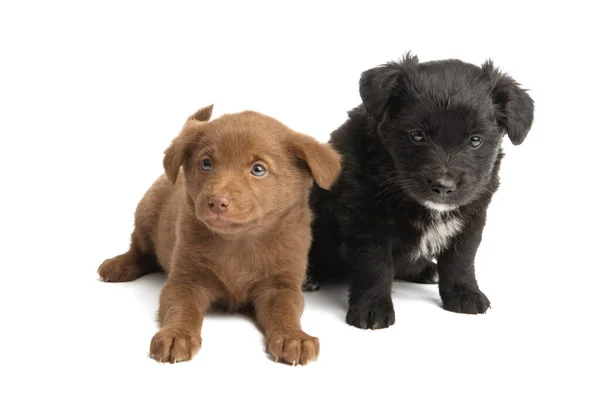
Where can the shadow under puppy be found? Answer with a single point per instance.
(421, 157)
(230, 224)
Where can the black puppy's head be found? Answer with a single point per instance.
(442, 123)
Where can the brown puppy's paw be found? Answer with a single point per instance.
(122, 268)
(297, 348)
(171, 345)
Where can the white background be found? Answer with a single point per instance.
(91, 93)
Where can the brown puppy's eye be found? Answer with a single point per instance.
(207, 165)
(417, 136)
(258, 170)
(475, 141)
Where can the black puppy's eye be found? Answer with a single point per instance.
(417, 136)
(475, 141)
(207, 165)
(258, 170)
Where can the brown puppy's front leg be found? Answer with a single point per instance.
(278, 310)
(182, 307)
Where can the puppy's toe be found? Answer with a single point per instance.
(429, 276)
(310, 284)
(122, 268)
(295, 349)
(371, 315)
(309, 350)
(171, 345)
(466, 301)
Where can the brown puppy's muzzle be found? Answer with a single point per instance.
(227, 212)
(218, 203)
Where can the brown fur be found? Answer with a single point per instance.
(254, 254)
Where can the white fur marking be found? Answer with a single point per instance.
(439, 207)
(436, 237)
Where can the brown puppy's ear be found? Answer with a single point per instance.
(514, 108)
(180, 146)
(174, 156)
(323, 161)
(203, 114)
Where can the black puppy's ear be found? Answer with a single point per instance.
(513, 106)
(378, 84)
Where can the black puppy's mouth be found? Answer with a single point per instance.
(432, 202)
(418, 193)
(439, 206)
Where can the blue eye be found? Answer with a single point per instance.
(258, 170)
(417, 136)
(475, 141)
(207, 165)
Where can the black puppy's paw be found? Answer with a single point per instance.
(466, 301)
(427, 275)
(310, 284)
(374, 315)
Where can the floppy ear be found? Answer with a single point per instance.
(514, 108)
(322, 160)
(203, 114)
(378, 84)
(180, 146)
(174, 155)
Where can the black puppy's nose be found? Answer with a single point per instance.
(218, 204)
(443, 187)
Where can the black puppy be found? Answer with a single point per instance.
(420, 165)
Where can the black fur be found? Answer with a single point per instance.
(371, 224)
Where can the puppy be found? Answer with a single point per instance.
(230, 224)
(420, 165)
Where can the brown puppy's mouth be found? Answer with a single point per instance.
(226, 225)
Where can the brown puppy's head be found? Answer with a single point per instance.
(243, 170)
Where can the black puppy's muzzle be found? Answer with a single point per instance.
(442, 187)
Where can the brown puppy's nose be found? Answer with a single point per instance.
(218, 204)
(443, 187)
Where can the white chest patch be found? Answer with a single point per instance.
(436, 237)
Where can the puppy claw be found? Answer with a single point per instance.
(174, 345)
(372, 315)
(293, 349)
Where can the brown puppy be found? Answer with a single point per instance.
(231, 226)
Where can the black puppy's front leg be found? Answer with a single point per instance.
(372, 274)
(458, 286)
